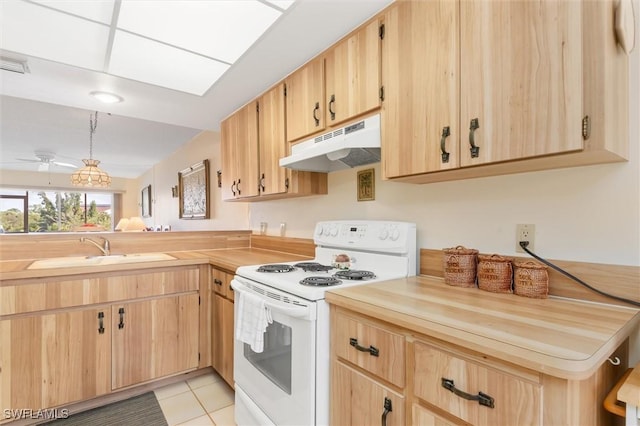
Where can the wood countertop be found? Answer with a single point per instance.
(629, 392)
(228, 259)
(561, 337)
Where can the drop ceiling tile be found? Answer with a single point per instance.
(97, 10)
(151, 62)
(219, 29)
(37, 31)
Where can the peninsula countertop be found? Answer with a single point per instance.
(561, 337)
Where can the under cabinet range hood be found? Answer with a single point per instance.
(351, 146)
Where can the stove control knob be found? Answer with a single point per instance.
(325, 230)
(334, 231)
(384, 233)
(395, 234)
(319, 230)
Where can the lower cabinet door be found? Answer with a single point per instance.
(423, 417)
(54, 359)
(223, 337)
(359, 400)
(154, 338)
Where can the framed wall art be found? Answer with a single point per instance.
(366, 185)
(145, 204)
(193, 191)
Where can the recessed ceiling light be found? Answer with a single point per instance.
(106, 97)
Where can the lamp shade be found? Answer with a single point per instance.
(90, 175)
(135, 224)
(122, 224)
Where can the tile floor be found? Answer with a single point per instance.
(202, 401)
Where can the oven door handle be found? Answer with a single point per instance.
(293, 311)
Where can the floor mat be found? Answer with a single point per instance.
(142, 410)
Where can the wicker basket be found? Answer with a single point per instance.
(459, 264)
(495, 273)
(530, 279)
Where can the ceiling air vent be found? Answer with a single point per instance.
(14, 65)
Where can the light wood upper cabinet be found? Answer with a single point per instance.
(420, 71)
(352, 72)
(273, 143)
(239, 148)
(521, 77)
(48, 360)
(463, 79)
(154, 338)
(305, 100)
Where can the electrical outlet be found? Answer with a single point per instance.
(527, 233)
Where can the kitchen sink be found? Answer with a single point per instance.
(114, 259)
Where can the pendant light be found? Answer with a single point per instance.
(90, 175)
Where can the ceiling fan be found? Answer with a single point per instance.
(45, 159)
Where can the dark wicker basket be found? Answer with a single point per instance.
(495, 273)
(459, 265)
(530, 279)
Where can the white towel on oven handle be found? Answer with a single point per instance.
(253, 319)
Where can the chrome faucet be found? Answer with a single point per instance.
(105, 248)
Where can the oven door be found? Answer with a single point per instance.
(280, 381)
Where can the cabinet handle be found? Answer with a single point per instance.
(100, 322)
(373, 351)
(233, 186)
(387, 410)
(261, 184)
(473, 126)
(317, 120)
(331, 103)
(483, 399)
(445, 133)
(238, 187)
(217, 281)
(121, 323)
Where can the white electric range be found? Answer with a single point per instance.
(288, 382)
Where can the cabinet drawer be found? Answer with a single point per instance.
(222, 284)
(515, 401)
(375, 349)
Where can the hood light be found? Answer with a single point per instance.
(107, 98)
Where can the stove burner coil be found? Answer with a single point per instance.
(354, 275)
(276, 268)
(313, 267)
(320, 281)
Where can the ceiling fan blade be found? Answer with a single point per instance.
(72, 166)
(28, 160)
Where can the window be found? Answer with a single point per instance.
(54, 211)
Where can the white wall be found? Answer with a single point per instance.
(164, 175)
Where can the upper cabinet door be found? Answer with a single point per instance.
(228, 136)
(353, 75)
(273, 143)
(521, 78)
(305, 100)
(239, 151)
(246, 151)
(420, 73)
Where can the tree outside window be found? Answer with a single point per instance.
(55, 211)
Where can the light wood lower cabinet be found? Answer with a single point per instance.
(51, 359)
(70, 347)
(432, 382)
(154, 338)
(222, 325)
(360, 400)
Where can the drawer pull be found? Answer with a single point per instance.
(372, 350)
(387, 410)
(483, 399)
(217, 281)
